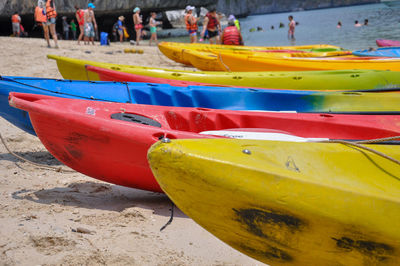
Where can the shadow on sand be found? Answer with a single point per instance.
(102, 196)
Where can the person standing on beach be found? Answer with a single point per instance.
(120, 28)
(51, 15)
(65, 28)
(212, 24)
(73, 29)
(41, 19)
(90, 24)
(16, 21)
(191, 24)
(79, 18)
(137, 20)
(153, 28)
(292, 26)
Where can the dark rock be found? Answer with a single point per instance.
(252, 7)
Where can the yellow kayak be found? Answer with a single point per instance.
(211, 60)
(288, 202)
(237, 62)
(71, 68)
(174, 50)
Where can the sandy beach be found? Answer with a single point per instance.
(53, 218)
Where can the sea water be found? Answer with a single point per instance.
(319, 27)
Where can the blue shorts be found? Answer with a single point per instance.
(89, 30)
(51, 21)
(192, 32)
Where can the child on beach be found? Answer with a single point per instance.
(153, 27)
(73, 29)
(16, 20)
(137, 20)
(120, 28)
(292, 26)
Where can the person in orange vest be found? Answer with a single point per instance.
(79, 14)
(231, 35)
(41, 20)
(51, 15)
(16, 20)
(212, 24)
(191, 24)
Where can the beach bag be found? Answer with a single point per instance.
(104, 38)
(115, 27)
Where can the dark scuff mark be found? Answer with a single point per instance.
(58, 152)
(254, 218)
(77, 138)
(75, 153)
(270, 252)
(379, 251)
(291, 165)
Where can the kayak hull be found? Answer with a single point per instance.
(383, 52)
(174, 51)
(235, 62)
(196, 96)
(71, 68)
(386, 43)
(284, 203)
(106, 74)
(109, 141)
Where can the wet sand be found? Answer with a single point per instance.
(52, 218)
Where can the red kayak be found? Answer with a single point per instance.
(109, 141)
(387, 43)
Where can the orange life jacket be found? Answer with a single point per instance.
(39, 16)
(190, 25)
(231, 36)
(50, 11)
(15, 19)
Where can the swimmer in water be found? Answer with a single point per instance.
(292, 26)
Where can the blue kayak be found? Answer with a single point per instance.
(382, 52)
(196, 96)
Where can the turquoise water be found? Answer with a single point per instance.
(319, 26)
